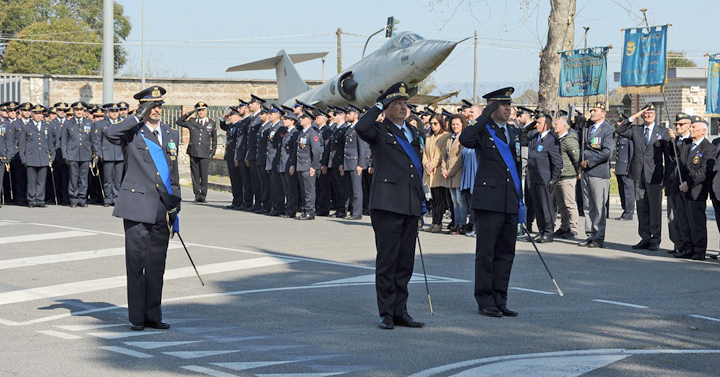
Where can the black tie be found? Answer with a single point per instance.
(647, 136)
(501, 133)
(156, 134)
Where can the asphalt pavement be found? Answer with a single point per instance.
(285, 297)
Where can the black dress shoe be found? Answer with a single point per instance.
(137, 327)
(274, 214)
(641, 245)
(262, 211)
(73, 205)
(623, 218)
(543, 239)
(82, 205)
(356, 217)
(106, 204)
(714, 256)
(507, 312)
(560, 232)
(568, 235)
(698, 256)
(596, 244)
(654, 247)
(31, 205)
(306, 217)
(407, 321)
(386, 322)
(491, 312)
(340, 215)
(684, 253)
(160, 325)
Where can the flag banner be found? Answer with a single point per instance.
(583, 72)
(644, 57)
(712, 101)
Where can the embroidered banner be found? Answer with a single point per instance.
(583, 72)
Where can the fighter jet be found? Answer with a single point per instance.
(405, 57)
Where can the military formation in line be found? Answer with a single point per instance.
(59, 154)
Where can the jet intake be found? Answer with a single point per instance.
(347, 86)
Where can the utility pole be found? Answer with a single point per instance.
(585, 99)
(339, 50)
(142, 59)
(108, 51)
(475, 75)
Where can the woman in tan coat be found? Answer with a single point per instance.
(451, 170)
(432, 176)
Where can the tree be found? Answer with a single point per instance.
(17, 15)
(676, 59)
(561, 36)
(527, 97)
(55, 58)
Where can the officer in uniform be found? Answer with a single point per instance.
(241, 147)
(595, 174)
(17, 170)
(544, 169)
(229, 124)
(309, 152)
(3, 153)
(697, 161)
(355, 160)
(261, 160)
(323, 180)
(61, 170)
(524, 117)
(648, 171)
(624, 150)
(77, 151)
(275, 136)
(287, 161)
(398, 163)
(201, 148)
(110, 155)
(672, 181)
(336, 158)
(255, 106)
(124, 108)
(36, 152)
(496, 201)
(148, 202)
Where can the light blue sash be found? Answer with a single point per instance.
(507, 156)
(158, 157)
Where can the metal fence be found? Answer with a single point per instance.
(10, 88)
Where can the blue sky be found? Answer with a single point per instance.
(203, 39)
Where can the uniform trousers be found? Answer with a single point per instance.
(340, 186)
(596, 192)
(673, 206)
(235, 183)
(357, 192)
(626, 188)
(36, 179)
(649, 211)
(693, 223)
(19, 181)
(566, 205)
(323, 193)
(2, 182)
(494, 255)
(529, 205)
(254, 185)
(716, 208)
(277, 192)
(62, 180)
(264, 179)
(292, 192)
(395, 236)
(112, 179)
(199, 173)
(247, 193)
(544, 208)
(145, 253)
(307, 190)
(366, 183)
(78, 181)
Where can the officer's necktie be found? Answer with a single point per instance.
(647, 135)
(502, 135)
(157, 134)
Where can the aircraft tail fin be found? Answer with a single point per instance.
(289, 81)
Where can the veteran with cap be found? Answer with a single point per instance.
(496, 201)
(18, 172)
(309, 152)
(148, 204)
(201, 148)
(36, 152)
(396, 201)
(672, 180)
(647, 169)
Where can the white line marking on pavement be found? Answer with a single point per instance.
(121, 335)
(128, 352)
(370, 279)
(59, 334)
(66, 257)
(298, 374)
(208, 371)
(704, 317)
(44, 236)
(199, 354)
(250, 365)
(621, 304)
(533, 291)
(69, 289)
(154, 345)
(88, 327)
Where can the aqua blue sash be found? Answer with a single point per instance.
(507, 156)
(158, 157)
(410, 151)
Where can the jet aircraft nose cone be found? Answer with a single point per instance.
(431, 53)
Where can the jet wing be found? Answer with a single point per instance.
(427, 99)
(270, 63)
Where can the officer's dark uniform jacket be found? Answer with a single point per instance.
(696, 167)
(396, 186)
(36, 147)
(309, 150)
(624, 149)
(139, 197)
(599, 146)
(275, 138)
(326, 133)
(288, 150)
(12, 137)
(647, 162)
(203, 138)
(337, 146)
(671, 181)
(252, 137)
(544, 160)
(241, 134)
(76, 141)
(103, 148)
(57, 128)
(230, 139)
(494, 188)
(262, 144)
(357, 151)
(4, 140)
